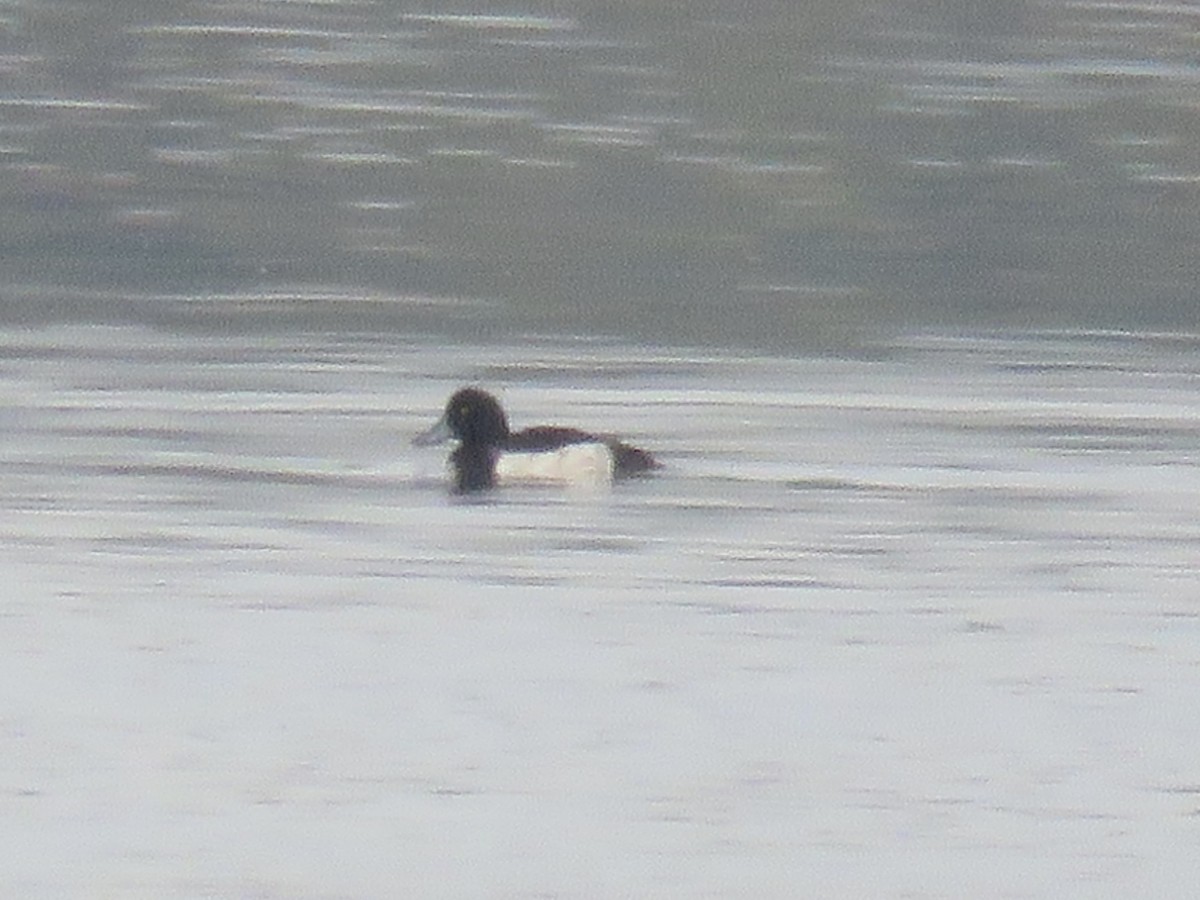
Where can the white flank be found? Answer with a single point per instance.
(575, 464)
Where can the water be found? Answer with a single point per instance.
(772, 174)
(918, 622)
(909, 613)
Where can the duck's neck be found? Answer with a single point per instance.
(474, 468)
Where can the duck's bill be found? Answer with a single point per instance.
(438, 434)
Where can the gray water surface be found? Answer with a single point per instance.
(912, 616)
(777, 175)
(918, 623)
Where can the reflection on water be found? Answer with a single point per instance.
(776, 174)
(911, 604)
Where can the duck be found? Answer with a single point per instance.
(490, 455)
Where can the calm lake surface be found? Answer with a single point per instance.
(903, 294)
(771, 174)
(916, 622)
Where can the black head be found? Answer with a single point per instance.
(475, 417)
(472, 416)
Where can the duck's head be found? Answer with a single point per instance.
(472, 416)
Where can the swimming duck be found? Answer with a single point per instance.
(489, 454)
